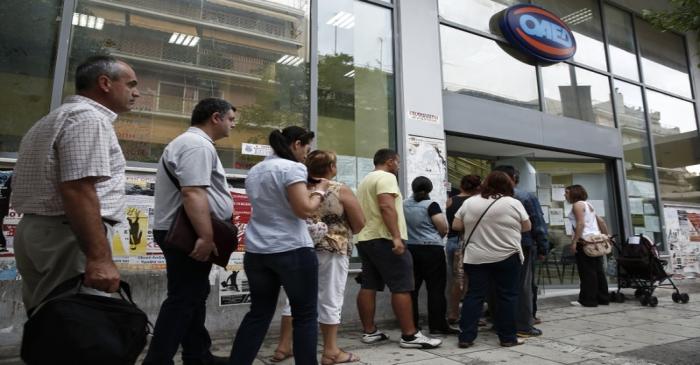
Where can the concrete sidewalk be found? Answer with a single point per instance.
(621, 333)
(626, 333)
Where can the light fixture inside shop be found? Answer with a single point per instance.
(183, 39)
(350, 74)
(88, 21)
(290, 60)
(342, 20)
(578, 17)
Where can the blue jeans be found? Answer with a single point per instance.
(297, 272)
(182, 314)
(452, 246)
(505, 276)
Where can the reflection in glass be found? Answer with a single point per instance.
(664, 62)
(623, 52)
(583, 17)
(477, 66)
(573, 92)
(473, 13)
(28, 35)
(253, 55)
(356, 102)
(676, 141)
(637, 156)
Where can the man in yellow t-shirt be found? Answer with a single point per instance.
(383, 253)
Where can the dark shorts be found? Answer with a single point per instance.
(381, 266)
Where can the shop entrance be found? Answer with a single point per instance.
(545, 173)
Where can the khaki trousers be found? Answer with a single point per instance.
(47, 253)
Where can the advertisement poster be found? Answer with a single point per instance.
(683, 237)
(232, 282)
(426, 157)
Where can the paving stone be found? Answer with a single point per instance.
(603, 343)
(559, 352)
(501, 356)
(647, 337)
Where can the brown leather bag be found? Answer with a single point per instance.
(182, 236)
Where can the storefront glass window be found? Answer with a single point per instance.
(583, 17)
(356, 103)
(637, 158)
(544, 174)
(253, 55)
(676, 141)
(473, 13)
(28, 35)
(477, 66)
(664, 62)
(623, 52)
(573, 92)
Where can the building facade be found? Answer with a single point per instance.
(432, 78)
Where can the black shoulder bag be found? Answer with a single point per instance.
(182, 236)
(459, 255)
(70, 327)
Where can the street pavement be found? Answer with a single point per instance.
(621, 333)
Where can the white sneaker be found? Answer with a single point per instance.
(575, 303)
(374, 337)
(420, 342)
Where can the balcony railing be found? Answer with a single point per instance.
(200, 11)
(206, 58)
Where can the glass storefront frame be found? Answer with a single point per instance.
(636, 18)
(61, 72)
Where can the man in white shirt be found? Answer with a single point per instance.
(69, 184)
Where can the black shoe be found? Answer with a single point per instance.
(533, 332)
(445, 331)
(213, 360)
(464, 345)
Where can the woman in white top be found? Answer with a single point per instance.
(279, 249)
(493, 253)
(594, 283)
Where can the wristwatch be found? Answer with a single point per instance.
(321, 193)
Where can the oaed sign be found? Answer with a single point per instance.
(536, 33)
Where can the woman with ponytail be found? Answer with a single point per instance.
(426, 228)
(279, 249)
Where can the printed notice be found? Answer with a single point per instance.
(364, 167)
(558, 192)
(545, 196)
(347, 171)
(556, 216)
(636, 206)
(545, 213)
(233, 285)
(256, 149)
(651, 222)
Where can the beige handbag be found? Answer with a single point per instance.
(596, 245)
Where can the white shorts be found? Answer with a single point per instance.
(332, 276)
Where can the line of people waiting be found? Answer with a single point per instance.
(70, 186)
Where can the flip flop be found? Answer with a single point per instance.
(335, 359)
(280, 356)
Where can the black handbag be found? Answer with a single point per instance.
(69, 327)
(182, 236)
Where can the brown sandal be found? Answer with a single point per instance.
(280, 356)
(330, 360)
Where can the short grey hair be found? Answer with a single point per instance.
(91, 69)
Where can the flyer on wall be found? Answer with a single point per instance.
(232, 282)
(682, 230)
(426, 157)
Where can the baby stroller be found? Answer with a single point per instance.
(639, 268)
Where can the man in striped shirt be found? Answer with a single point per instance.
(69, 184)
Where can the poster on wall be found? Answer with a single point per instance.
(233, 282)
(364, 167)
(544, 195)
(426, 157)
(558, 192)
(683, 237)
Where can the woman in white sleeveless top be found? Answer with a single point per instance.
(594, 283)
